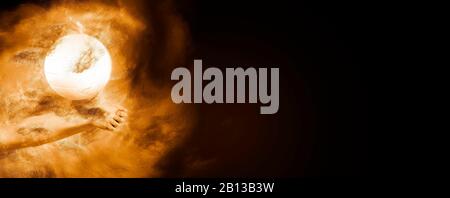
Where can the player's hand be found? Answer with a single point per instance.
(112, 122)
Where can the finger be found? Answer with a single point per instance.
(114, 123)
(122, 110)
(122, 114)
(119, 119)
(117, 122)
(110, 127)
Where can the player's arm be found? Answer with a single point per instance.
(49, 128)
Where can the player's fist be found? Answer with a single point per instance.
(114, 121)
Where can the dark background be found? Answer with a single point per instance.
(321, 128)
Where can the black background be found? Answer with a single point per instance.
(321, 128)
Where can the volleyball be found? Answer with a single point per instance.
(78, 67)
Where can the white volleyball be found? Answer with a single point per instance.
(78, 67)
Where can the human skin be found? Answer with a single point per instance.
(46, 128)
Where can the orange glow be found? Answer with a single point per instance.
(27, 36)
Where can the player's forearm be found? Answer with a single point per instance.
(62, 133)
(44, 137)
(54, 128)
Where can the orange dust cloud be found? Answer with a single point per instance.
(155, 124)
